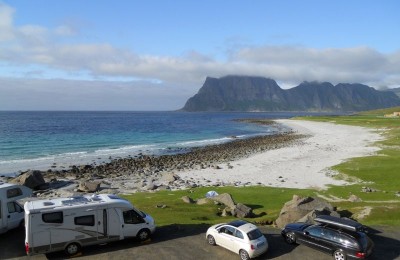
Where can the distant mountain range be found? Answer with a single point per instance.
(247, 93)
(394, 90)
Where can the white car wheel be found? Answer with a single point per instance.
(211, 240)
(244, 255)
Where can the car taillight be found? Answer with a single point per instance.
(252, 247)
(360, 255)
(27, 248)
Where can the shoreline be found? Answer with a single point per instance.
(296, 159)
(303, 165)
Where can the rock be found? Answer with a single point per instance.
(299, 207)
(169, 178)
(354, 198)
(226, 212)
(309, 218)
(163, 187)
(202, 201)
(225, 199)
(89, 186)
(367, 189)
(150, 186)
(187, 199)
(242, 211)
(31, 179)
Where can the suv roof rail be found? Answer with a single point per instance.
(344, 223)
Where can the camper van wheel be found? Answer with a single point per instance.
(72, 249)
(143, 234)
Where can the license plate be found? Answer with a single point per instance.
(260, 244)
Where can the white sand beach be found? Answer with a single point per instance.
(303, 165)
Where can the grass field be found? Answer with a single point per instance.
(381, 172)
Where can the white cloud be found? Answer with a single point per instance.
(39, 47)
(64, 30)
(6, 19)
(56, 94)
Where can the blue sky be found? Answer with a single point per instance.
(154, 55)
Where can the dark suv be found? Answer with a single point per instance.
(342, 238)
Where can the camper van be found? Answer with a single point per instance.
(70, 223)
(11, 212)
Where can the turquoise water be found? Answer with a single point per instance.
(40, 140)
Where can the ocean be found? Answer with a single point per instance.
(44, 140)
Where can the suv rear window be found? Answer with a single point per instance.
(254, 234)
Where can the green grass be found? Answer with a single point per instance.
(266, 203)
(380, 172)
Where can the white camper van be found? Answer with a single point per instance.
(11, 212)
(70, 223)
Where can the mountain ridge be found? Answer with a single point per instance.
(252, 93)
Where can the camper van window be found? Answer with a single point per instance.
(54, 217)
(131, 217)
(14, 192)
(13, 207)
(84, 220)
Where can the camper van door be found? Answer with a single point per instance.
(10, 215)
(15, 214)
(102, 224)
(133, 222)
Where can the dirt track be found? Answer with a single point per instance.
(188, 242)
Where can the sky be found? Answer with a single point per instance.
(154, 55)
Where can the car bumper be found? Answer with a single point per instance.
(259, 251)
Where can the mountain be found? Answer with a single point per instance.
(394, 90)
(247, 93)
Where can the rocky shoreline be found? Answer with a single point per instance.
(148, 173)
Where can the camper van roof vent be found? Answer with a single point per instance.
(48, 203)
(95, 197)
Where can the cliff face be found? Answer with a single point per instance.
(245, 93)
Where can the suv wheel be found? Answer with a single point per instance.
(339, 255)
(290, 238)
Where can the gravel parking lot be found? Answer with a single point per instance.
(188, 242)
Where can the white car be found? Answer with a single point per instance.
(240, 237)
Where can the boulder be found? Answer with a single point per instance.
(150, 186)
(354, 198)
(226, 212)
(31, 179)
(299, 207)
(89, 186)
(225, 199)
(309, 218)
(242, 211)
(169, 178)
(202, 201)
(187, 199)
